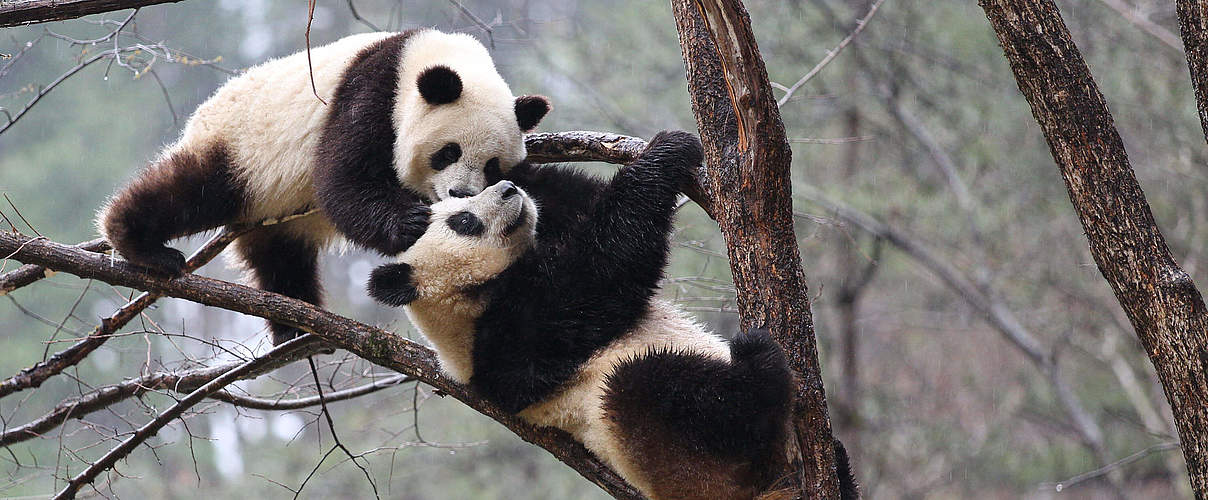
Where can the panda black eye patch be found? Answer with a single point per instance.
(446, 156)
(466, 224)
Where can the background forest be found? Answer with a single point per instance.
(970, 347)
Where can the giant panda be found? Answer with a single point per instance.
(556, 320)
(405, 119)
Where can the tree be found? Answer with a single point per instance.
(1161, 300)
(772, 288)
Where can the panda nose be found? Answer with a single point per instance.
(508, 190)
(460, 193)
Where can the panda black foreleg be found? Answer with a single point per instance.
(623, 246)
(373, 211)
(183, 193)
(694, 423)
(284, 263)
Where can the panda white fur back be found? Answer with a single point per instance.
(406, 119)
(267, 118)
(552, 317)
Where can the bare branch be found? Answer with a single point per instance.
(830, 54)
(185, 381)
(373, 344)
(275, 404)
(597, 146)
(145, 432)
(34, 376)
(29, 274)
(1151, 28)
(477, 22)
(40, 11)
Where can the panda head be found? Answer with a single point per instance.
(468, 241)
(459, 131)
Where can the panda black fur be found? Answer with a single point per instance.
(554, 318)
(410, 118)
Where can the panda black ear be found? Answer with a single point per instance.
(530, 109)
(439, 85)
(391, 284)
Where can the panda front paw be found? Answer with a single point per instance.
(408, 229)
(678, 153)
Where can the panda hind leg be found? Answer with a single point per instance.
(698, 427)
(282, 259)
(184, 192)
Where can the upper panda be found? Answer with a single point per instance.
(555, 320)
(405, 119)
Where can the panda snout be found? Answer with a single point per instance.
(507, 190)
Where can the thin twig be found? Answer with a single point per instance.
(1091, 474)
(310, 17)
(356, 15)
(151, 428)
(1151, 28)
(474, 19)
(339, 445)
(831, 54)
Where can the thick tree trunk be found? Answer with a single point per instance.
(748, 188)
(1193, 23)
(1160, 299)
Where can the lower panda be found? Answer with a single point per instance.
(552, 316)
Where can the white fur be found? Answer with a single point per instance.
(445, 265)
(482, 120)
(270, 121)
(577, 408)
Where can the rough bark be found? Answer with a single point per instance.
(28, 274)
(748, 187)
(1193, 25)
(1163, 304)
(373, 344)
(40, 11)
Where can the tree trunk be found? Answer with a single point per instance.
(748, 188)
(1159, 298)
(1193, 23)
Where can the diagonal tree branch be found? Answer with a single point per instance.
(373, 344)
(103, 397)
(34, 376)
(243, 370)
(40, 11)
(30, 274)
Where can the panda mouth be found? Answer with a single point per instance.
(518, 222)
